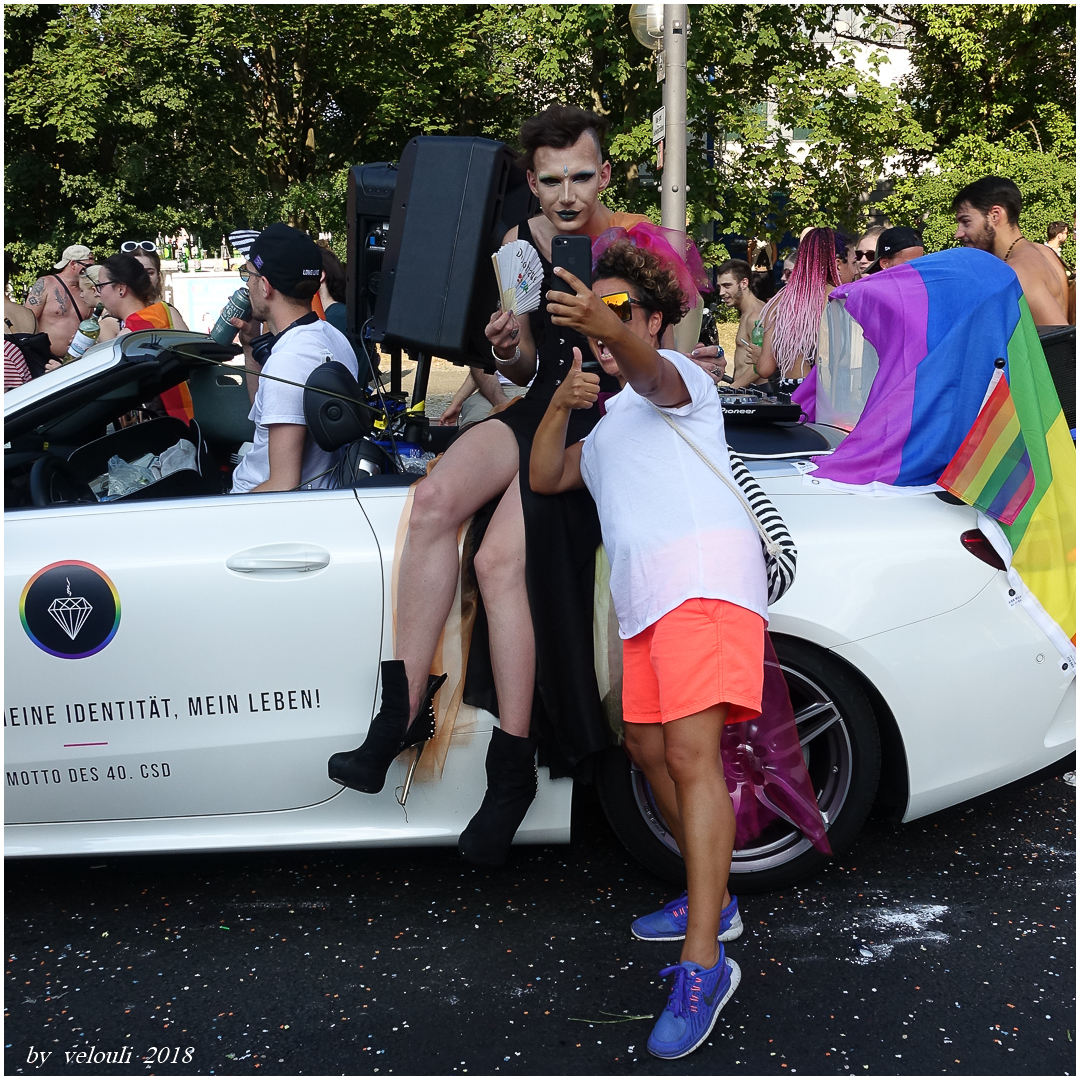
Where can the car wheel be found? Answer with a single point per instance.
(842, 749)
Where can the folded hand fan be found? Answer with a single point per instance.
(520, 275)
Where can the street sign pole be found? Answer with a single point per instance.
(673, 194)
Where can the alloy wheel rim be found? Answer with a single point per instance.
(829, 756)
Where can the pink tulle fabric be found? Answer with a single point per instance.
(665, 245)
(764, 766)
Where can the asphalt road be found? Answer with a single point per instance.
(941, 946)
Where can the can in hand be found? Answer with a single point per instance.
(238, 306)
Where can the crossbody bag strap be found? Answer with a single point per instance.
(74, 302)
(771, 545)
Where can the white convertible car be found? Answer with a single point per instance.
(180, 663)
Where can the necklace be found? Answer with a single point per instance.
(1011, 246)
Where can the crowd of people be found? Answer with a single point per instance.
(552, 460)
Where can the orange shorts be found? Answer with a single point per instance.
(704, 653)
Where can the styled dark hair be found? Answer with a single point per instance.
(127, 270)
(992, 191)
(658, 286)
(738, 268)
(1056, 227)
(155, 258)
(844, 244)
(560, 126)
(335, 275)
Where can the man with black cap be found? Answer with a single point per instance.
(282, 272)
(896, 246)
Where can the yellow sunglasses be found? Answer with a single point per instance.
(622, 304)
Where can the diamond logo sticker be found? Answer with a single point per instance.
(70, 610)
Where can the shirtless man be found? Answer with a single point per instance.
(733, 285)
(54, 299)
(987, 217)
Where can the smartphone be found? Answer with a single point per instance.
(573, 253)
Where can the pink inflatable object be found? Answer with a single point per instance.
(764, 766)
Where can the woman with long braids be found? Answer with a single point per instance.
(792, 319)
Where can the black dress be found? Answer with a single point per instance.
(562, 533)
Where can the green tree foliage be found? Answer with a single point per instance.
(1046, 178)
(123, 120)
(986, 69)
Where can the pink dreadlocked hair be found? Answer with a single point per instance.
(795, 311)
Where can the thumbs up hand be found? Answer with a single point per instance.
(579, 389)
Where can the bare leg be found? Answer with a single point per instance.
(692, 750)
(645, 744)
(478, 467)
(500, 572)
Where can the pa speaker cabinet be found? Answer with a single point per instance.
(454, 201)
(370, 200)
(1059, 345)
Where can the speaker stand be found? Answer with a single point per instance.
(395, 370)
(420, 379)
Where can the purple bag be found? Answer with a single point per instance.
(764, 766)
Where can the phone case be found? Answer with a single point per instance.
(573, 253)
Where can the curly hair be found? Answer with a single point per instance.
(658, 286)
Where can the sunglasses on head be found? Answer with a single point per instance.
(128, 246)
(622, 304)
(865, 256)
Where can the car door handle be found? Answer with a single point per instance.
(299, 558)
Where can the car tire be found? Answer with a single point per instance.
(843, 752)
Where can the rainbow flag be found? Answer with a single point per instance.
(992, 469)
(943, 410)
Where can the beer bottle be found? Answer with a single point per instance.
(85, 336)
(185, 265)
(757, 335)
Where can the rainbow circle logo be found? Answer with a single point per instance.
(70, 609)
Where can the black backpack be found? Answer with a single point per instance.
(36, 349)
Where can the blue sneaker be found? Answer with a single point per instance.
(669, 923)
(694, 1006)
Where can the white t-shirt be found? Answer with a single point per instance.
(672, 529)
(294, 356)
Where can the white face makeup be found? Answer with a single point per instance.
(568, 182)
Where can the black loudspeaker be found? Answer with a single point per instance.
(1059, 345)
(455, 200)
(370, 199)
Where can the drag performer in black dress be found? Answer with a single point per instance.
(534, 554)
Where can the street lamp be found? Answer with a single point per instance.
(647, 24)
(664, 26)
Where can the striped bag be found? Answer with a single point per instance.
(776, 543)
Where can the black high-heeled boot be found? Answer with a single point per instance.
(364, 769)
(511, 788)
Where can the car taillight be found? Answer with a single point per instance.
(981, 548)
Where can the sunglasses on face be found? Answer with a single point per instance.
(622, 304)
(865, 256)
(128, 246)
(245, 273)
